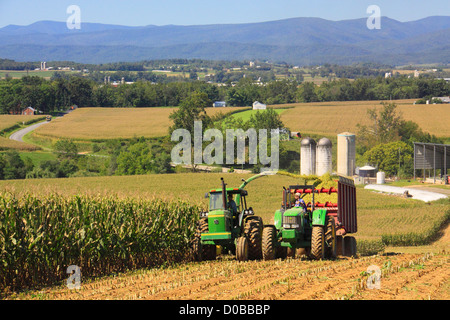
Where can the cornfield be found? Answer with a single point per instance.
(41, 236)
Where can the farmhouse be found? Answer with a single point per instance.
(28, 111)
(259, 106)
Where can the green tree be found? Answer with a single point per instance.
(384, 128)
(391, 157)
(80, 91)
(14, 166)
(66, 149)
(191, 109)
(265, 119)
(307, 92)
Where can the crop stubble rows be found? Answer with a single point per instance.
(404, 276)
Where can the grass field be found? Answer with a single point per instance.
(245, 115)
(38, 157)
(110, 123)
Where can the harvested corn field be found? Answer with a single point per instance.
(402, 276)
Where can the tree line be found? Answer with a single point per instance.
(58, 94)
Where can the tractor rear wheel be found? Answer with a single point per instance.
(330, 239)
(269, 243)
(253, 232)
(317, 243)
(242, 249)
(202, 251)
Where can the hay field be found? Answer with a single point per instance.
(6, 144)
(111, 123)
(7, 120)
(330, 118)
(327, 118)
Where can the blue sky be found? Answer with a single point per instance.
(190, 12)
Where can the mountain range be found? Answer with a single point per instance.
(302, 41)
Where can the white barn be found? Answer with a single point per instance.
(259, 106)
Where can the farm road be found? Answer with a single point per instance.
(414, 192)
(18, 135)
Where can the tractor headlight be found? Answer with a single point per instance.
(295, 226)
(203, 214)
(286, 226)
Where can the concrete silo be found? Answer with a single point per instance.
(324, 156)
(346, 154)
(308, 156)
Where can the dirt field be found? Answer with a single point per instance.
(422, 274)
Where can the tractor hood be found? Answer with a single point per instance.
(293, 212)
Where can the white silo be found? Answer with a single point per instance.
(308, 156)
(346, 158)
(324, 156)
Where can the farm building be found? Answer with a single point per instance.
(218, 104)
(259, 106)
(433, 159)
(28, 111)
(366, 171)
(443, 99)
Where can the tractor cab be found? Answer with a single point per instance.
(219, 206)
(230, 224)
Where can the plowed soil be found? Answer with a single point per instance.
(403, 276)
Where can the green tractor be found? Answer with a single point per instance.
(233, 228)
(320, 230)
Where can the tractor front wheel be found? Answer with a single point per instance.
(242, 249)
(202, 251)
(318, 243)
(269, 243)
